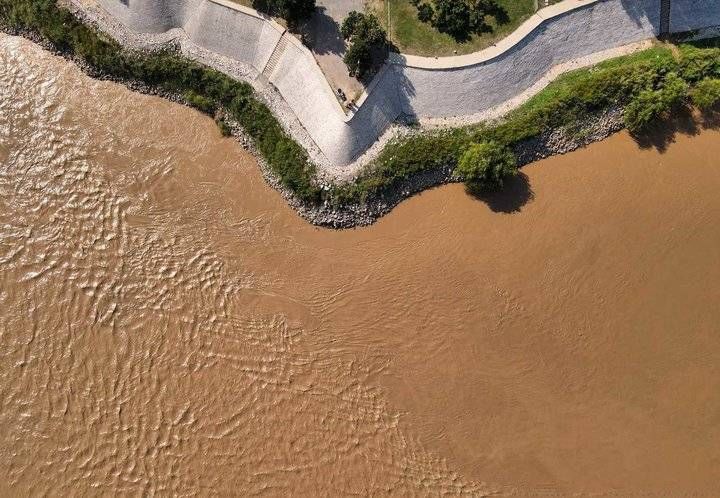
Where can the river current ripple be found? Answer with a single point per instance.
(168, 326)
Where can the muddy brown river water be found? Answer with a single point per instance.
(169, 326)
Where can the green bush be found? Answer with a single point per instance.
(224, 127)
(199, 102)
(649, 105)
(699, 63)
(484, 166)
(425, 12)
(706, 93)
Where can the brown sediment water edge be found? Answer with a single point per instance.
(168, 325)
(551, 142)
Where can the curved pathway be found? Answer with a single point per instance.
(434, 91)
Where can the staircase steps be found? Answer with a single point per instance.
(664, 18)
(276, 55)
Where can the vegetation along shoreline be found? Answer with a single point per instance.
(634, 91)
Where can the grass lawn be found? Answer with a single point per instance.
(413, 37)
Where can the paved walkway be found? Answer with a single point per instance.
(322, 33)
(435, 92)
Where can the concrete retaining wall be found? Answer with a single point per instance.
(149, 16)
(689, 15)
(215, 25)
(414, 87)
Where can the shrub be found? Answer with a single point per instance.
(650, 105)
(225, 130)
(293, 11)
(698, 63)
(425, 12)
(642, 110)
(484, 166)
(706, 93)
(368, 43)
(199, 102)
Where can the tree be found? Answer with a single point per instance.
(461, 18)
(367, 42)
(293, 11)
(484, 166)
(453, 17)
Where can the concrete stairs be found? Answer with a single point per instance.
(664, 18)
(276, 55)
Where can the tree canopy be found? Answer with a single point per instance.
(293, 11)
(367, 42)
(460, 18)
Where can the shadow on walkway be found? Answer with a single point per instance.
(321, 34)
(685, 121)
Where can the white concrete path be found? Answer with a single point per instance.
(450, 90)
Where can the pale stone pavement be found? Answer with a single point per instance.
(322, 33)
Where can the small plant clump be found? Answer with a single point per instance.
(485, 166)
(706, 94)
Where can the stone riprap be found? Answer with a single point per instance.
(429, 90)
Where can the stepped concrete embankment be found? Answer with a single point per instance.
(449, 90)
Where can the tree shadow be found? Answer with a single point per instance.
(685, 121)
(499, 13)
(710, 119)
(514, 195)
(494, 10)
(321, 33)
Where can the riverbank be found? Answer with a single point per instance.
(448, 349)
(579, 108)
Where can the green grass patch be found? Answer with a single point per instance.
(411, 36)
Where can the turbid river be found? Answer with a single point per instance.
(169, 326)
